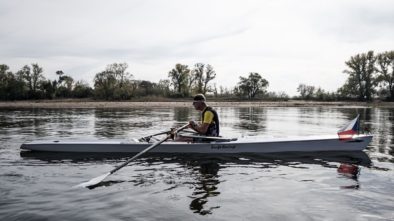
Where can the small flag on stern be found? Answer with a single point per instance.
(349, 130)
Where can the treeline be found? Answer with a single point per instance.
(370, 77)
(116, 83)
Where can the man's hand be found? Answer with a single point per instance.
(172, 134)
(192, 124)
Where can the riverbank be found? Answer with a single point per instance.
(74, 103)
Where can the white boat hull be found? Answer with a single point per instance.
(242, 145)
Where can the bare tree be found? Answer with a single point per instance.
(385, 63)
(204, 74)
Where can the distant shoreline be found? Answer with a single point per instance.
(74, 103)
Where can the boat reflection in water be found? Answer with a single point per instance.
(201, 172)
(350, 171)
(206, 186)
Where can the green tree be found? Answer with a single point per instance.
(385, 63)
(253, 85)
(320, 94)
(119, 72)
(104, 85)
(277, 96)
(179, 77)
(323, 95)
(82, 90)
(361, 81)
(199, 73)
(125, 89)
(347, 91)
(146, 88)
(306, 91)
(164, 87)
(36, 78)
(4, 69)
(64, 85)
(3, 81)
(21, 88)
(48, 89)
(33, 77)
(7, 82)
(114, 83)
(224, 92)
(25, 72)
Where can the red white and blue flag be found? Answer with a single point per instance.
(349, 130)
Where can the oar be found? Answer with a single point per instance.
(99, 179)
(160, 133)
(152, 135)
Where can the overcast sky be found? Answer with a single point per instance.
(287, 42)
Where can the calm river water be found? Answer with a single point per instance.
(37, 186)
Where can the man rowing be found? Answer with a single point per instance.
(209, 125)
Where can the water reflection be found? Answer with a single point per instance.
(195, 160)
(205, 187)
(42, 122)
(28, 120)
(311, 116)
(183, 114)
(201, 172)
(111, 123)
(390, 149)
(381, 125)
(251, 118)
(350, 171)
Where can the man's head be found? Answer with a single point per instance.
(199, 102)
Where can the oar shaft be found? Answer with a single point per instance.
(146, 150)
(164, 132)
(99, 179)
(160, 133)
(139, 154)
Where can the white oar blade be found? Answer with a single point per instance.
(93, 181)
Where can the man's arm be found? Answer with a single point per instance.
(201, 129)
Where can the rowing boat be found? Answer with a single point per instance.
(354, 142)
(241, 145)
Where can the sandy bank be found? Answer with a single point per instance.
(129, 104)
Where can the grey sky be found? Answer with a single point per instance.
(287, 42)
